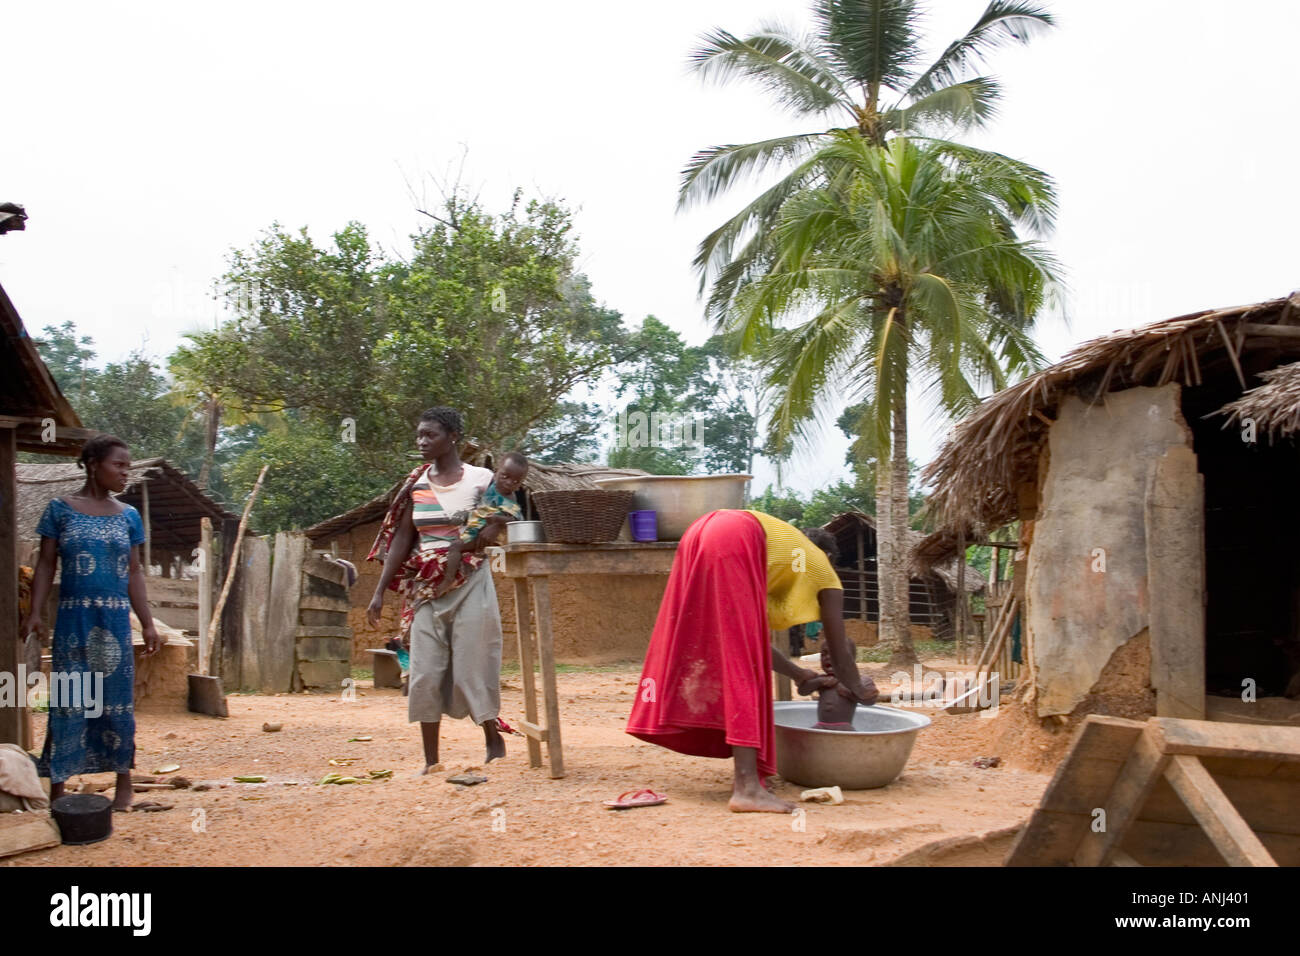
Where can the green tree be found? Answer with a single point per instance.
(825, 503)
(203, 401)
(314, 472)
(881, 252)
(131, 399)
(695, 393)
(855, 422)
(786, 505)
(491, 317)
(68, 357)
(485, 313)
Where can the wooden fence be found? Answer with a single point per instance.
(285, 626)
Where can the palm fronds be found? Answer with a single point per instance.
(797, 77)
(1002, 22)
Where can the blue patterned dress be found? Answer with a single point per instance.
(92, 731)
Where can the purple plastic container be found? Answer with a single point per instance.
(644, 526)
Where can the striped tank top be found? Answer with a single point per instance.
(439, 511)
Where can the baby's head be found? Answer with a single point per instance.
(510, 476)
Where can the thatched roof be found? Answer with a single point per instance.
(845, 528)
(175, 503)
(557, 477)
(28, 391)
(995, 449)
(1274, 407)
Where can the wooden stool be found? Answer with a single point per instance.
(1169, 792)
(388, 673)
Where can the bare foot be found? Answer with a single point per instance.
(430, 768)
(760, 802)
(496, 745)
(123, 792)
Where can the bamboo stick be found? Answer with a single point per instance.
(998, 639)
(230, 571)
(1232, 354)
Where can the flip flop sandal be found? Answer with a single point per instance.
(505, 728)
(150, 807)
(467, 779)
(637, 798)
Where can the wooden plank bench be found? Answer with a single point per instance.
(1169, 792)
(388, 672)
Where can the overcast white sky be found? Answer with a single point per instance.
(146, 140)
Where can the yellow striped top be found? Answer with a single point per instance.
(796, 571)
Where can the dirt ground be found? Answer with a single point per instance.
(521, 816)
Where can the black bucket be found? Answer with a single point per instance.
(83, 818)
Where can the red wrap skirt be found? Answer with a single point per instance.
(706, 685)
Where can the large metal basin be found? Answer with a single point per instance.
(678, 500)
(871, 755)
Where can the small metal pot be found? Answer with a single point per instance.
(518, 532)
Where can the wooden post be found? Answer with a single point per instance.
(205, 590)
(862, 578)
(523, 611)
(546, 653)
(148, 530)
(10, 717)
(961, 590)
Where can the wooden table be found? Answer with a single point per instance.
(530, 566)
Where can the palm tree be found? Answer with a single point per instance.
(205, 402)
(886, 249)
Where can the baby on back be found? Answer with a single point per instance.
(497, 505)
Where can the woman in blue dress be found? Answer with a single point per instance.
(96, 538)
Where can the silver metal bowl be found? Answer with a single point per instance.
(521, 531)
(678, 500)
(871, 755)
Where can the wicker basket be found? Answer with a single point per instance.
(583, 516)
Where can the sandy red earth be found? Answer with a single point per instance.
(520, 815)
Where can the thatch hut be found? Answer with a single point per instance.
(1158, 536)
(170, 505)
(933, 586)
(1273, 409)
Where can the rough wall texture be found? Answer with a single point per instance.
(163, 679)
(1124, 687)
(1091, 517)
(595, 619)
